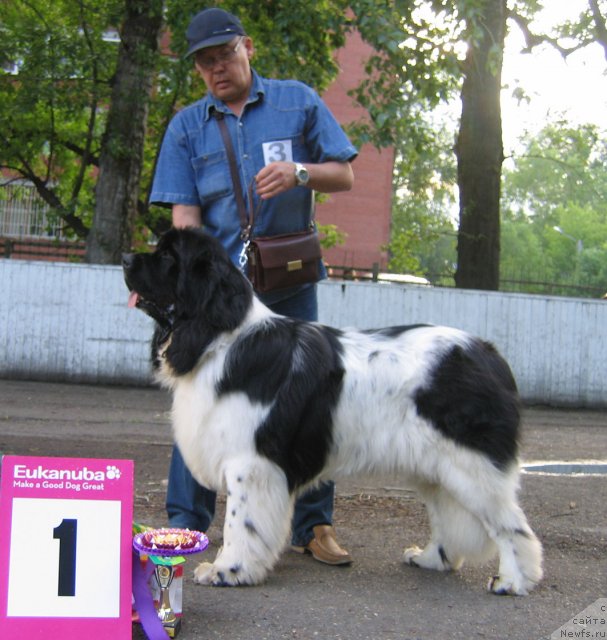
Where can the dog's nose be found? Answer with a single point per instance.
(127, 260)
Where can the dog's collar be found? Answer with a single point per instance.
(164, 316)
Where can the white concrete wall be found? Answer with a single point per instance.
(557, 347)
(61, 321)
(69, 322)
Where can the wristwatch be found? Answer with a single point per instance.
(301, 175)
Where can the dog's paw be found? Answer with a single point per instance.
(432, 557)
(411, 555)
(211, 574)
(501, 586)
(203, 574)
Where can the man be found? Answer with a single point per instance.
(287, 144)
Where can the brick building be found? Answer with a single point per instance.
(364, 213)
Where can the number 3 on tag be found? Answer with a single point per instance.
(277, 151)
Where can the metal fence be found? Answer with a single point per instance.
(23, 213)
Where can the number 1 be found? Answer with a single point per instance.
(66, 533)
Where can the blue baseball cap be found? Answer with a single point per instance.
(212, 27)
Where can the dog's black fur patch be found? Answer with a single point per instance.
(472, 399)
(296, 367)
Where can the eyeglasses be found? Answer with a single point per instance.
(223, 57)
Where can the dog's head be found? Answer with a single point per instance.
(190, 287)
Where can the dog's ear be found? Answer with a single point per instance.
(212, 297)
(229, 295)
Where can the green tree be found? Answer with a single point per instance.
(56, 124)
(479, 148)
(57, 72)
(121, 156)
(423, 235)
(554, 210)
(561, 163)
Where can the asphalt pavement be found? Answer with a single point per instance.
(377, 598)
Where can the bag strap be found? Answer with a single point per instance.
(245, 225)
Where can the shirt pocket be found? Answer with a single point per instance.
(213, 180)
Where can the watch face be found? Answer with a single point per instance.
(302, 175)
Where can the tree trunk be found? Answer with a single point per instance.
(480, 152)
(121, 155)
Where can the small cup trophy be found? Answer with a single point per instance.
(164, 577)
(165, 548)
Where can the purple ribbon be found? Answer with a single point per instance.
(143, 600)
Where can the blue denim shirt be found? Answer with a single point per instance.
(282, 120)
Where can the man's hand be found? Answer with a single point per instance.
(326, 177)
(275, 178)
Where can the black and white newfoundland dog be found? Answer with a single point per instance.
(266, 406)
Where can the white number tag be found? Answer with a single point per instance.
(277, 151)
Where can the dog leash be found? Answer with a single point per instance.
(245, 225)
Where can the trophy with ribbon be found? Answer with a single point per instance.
(165, 549)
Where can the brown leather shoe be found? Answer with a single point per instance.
(324, 547)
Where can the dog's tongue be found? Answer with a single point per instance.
(133, 299)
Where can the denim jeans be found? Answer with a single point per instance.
(190, 505)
